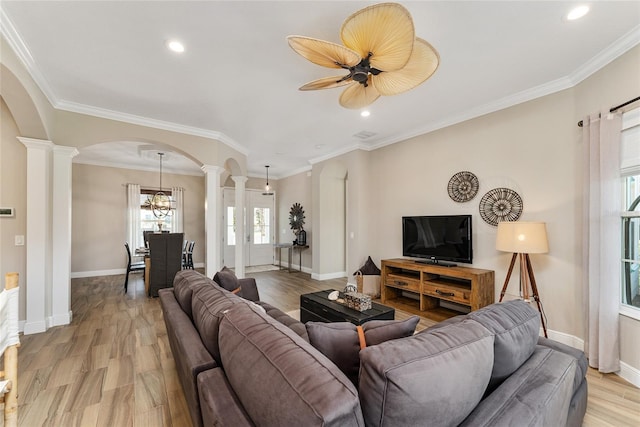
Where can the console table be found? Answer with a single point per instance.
(420, 288)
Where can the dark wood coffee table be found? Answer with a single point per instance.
(317, 307)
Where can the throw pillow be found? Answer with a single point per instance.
(227, 279)
(369, 268)
(341, 343)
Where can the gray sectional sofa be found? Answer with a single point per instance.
(242, 362)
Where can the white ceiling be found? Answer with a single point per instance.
(238, 78)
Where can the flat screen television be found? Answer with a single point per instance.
(438, 239)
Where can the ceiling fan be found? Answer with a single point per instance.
(381, 53)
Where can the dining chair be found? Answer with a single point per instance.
(190, 255)
(185, 246)
(131, 266)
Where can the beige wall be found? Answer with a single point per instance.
(295, 189)
(529, 148)
(13, 189)
(99, 215)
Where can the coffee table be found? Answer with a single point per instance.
(317, 307)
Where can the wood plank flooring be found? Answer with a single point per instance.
(113, 366)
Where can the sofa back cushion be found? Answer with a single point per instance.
(183, 285)
(516, 326)
(435, 378)
(208, 304)
(340, 341)
(279, 378)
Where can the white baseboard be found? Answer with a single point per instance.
(60, 319)
(34, 327)
(564, 338)
(630, 374)
(329, 276)
(81, 274)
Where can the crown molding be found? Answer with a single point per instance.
(607, 55)
(116, 165)
(10, 34)
(152, 123)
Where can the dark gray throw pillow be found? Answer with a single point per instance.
(340, 342)
(227, 279)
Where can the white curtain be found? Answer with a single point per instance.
(177, 216)
(601, 237)
(134, 232)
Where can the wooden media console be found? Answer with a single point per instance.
(419, 288)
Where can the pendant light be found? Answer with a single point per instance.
(267, 189)
(160, 203)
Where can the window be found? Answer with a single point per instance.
(261, 227)
(231, 225)
(630, 172)
(631, 242)
(148, 221)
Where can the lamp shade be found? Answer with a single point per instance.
(522, 237)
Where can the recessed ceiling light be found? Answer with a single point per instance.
(365, 113)
(577, 12)
(175, 46)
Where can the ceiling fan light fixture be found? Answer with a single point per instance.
(381, 55)
(365, 113)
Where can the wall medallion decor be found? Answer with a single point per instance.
(463, 186)
(296, 218)
(500, 204)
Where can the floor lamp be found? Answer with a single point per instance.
(523, 238)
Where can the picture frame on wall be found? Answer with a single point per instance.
(6, 212)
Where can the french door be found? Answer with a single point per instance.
(259, 228)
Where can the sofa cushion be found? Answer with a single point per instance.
(280, 379)
(537, 394)
(183, 285)
(340, 342)
(208, 303)
(435, 378)
(516, 326)
(288, 321)
(227, 279)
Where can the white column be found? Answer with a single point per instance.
(212, 219)
(61, 236)
(38, 231)
(241, 235)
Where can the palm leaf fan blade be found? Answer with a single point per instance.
(423, 63)
(385, 30)
(357, 96)
(323, 53)
(326, 83)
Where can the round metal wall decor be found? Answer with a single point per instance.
(500, 204)
(463, 186)
(296, 217)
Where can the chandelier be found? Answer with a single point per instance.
(160, 203)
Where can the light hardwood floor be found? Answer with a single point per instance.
(113, 366)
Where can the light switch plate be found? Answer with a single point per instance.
(19, 240)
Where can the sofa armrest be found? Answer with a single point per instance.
(249, 289)
(190, 355)
(219, 403)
